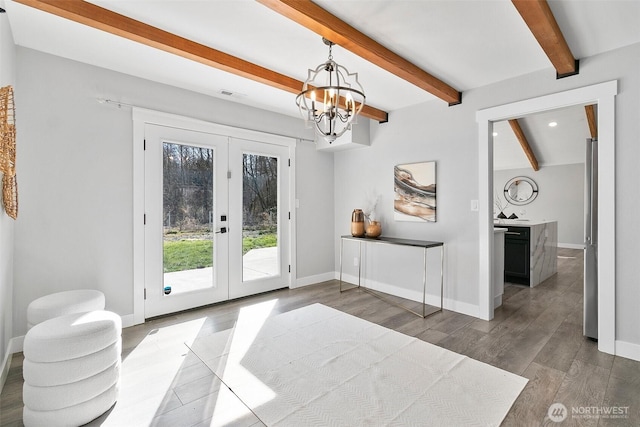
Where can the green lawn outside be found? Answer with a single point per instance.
(196, 253)
(187, 255)
(262, 241)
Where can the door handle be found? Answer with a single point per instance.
(222, 230)
(512, 233)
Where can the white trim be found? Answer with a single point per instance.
(6, 364)
(317, 278)
(604, 95)
(293, 260)
(14, 346)
(188, 123)
(497, 301)
(485, 232)
(628, 350)
(570, 246)
(141, 117)
(413, 295)
(138, 221)
(128, 320)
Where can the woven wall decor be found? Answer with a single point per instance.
(8, 152)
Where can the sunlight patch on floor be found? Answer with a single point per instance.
(250, 322)
(149, 372)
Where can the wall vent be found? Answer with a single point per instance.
(232, 94)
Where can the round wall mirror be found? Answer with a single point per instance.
(520, 190)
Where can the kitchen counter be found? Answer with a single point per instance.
(531, 250)
(519, 222)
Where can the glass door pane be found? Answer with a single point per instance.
(186, 211)
(259, 225)
(259, 217)
(187, 201)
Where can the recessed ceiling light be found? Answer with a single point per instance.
(553, 124)
(495, 134)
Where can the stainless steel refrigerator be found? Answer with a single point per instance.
(591, 241)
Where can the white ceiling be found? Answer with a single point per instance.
(466, 44)
(560, 145)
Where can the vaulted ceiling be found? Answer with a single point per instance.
(423, 50)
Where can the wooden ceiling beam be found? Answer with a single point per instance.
(320, 21)
(539, 18)
(103, 19)
(522, 139)
(590, 110)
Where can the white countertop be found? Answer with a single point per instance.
(520, 222)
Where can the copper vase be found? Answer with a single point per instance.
(357, 223)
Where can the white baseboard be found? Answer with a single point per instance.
(434, 300)
(462, 307)
(15, 346)
(4, 372)
(628, 350)
(497, 301)
(570, 246)
(312, 280)
(127, 320)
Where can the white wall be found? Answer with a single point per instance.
(560, 197)
(75, 174)
(448, 135)
(430, 131)
(7, 77)
(75, 156)
(314, 188)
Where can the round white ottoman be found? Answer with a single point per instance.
(61, 303)
(71, 368)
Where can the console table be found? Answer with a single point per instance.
(424, 244)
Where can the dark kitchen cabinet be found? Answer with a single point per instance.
(517, 255)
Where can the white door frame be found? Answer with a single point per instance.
(217, 290)
(141, 117)
(604, 95)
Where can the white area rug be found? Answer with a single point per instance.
(317, 366)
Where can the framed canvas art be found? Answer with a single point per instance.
(414, 187)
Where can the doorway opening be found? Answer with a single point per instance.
(604, 96)
(548, 158)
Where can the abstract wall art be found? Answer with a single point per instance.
(415, 192)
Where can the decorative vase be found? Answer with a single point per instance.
(373, 229)
(357, 223)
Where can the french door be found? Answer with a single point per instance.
(216, 218)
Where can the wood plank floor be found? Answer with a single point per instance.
(537, 333)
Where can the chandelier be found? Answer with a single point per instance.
(331, 98)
